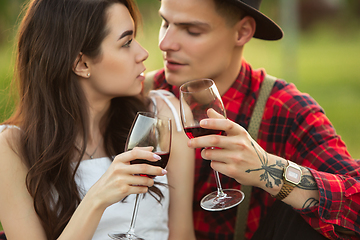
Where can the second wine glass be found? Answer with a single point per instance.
(148, 130)
(196, 97)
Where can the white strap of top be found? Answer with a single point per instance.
(3, 127)
(163, 93)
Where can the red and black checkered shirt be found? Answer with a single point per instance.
(294, 127)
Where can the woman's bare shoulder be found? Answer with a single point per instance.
(9, 143)
(9, 137)
(16, 204)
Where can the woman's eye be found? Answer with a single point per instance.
(164, 24)
(127, 44)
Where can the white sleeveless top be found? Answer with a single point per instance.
(152, 220)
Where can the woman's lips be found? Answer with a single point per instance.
(141, 76)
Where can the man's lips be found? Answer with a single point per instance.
(173, 65)
(169, 61)
(173, 62)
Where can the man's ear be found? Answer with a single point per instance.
(80, 66)
(245, 30)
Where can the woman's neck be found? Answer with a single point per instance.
(94, 137)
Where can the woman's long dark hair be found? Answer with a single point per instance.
(51, 111)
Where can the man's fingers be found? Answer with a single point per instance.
(213, 114)
(226, 125)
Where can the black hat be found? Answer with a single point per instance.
(266, 28)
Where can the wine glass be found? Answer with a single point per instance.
(148, 129)
(196, 97)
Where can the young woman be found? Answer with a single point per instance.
(63, 172)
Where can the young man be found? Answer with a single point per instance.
(206, 38)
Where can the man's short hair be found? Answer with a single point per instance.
(231, 12)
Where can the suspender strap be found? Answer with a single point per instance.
(258, 112)
(253, 129)
(242, 213)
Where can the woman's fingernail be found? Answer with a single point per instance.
(164, 171)
(157, 157)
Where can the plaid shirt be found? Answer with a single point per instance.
(294, 127)
(2, 235)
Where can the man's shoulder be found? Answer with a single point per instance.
(286, 96)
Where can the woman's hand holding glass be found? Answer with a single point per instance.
(148, 129)
(123, 178)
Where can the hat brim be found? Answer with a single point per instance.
(266, 28)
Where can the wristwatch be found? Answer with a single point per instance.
(292, 176)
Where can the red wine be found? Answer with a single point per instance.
(160, 163)
(193, 132)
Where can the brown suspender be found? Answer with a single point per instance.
(253, 129)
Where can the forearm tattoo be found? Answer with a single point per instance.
(307, 181)
(310, 202)
(272, 174)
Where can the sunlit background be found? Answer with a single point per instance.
(319, 53)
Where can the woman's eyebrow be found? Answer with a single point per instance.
(126, 33)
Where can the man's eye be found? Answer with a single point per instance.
(193, 33)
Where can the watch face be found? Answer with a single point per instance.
(293, 175)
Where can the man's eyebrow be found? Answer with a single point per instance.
(190, 23)
(126, 33)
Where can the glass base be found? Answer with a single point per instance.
(124, 236)
(231, 198)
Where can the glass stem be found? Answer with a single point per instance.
(134, 215)
(220, 192)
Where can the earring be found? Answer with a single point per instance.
(88, 74)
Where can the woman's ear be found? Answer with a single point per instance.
(245, 30)
(80, 66)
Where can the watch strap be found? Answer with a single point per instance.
(288, 185)
(284, 191)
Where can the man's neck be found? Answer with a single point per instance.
(225, 81)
